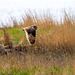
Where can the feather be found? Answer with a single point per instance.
(30, 33)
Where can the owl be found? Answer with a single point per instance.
(30, 33)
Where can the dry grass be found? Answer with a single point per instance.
(55, 43)
(7, 39)
(53, 35)
(36, 64)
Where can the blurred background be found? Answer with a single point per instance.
(14, 10)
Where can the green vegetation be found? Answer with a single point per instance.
(16, 34)
(55, 70)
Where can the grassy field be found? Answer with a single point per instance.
(52, 54)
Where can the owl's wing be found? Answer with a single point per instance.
(31, 38)
(33, 32)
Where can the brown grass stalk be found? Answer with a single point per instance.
(7, 38)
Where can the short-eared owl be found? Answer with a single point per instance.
(30, 33)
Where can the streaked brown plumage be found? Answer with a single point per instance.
(30, 33)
